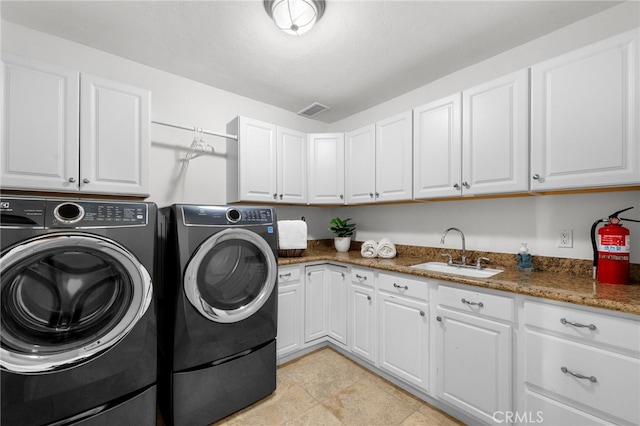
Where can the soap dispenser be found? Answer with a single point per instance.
(524, 259)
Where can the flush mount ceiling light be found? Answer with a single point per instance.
(295, 17)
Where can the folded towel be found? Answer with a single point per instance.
(386, 249)
(292, 234)
(369, 249)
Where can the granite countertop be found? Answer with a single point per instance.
(551, 284)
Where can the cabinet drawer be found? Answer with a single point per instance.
(403, 286)
(490, 305)
(613, 389)
(288, 275)
(362, 276)
(575, 323)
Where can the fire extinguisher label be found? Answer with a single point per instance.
(614, 243)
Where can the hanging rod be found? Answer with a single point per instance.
(197, 129)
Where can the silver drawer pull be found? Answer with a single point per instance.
(288, 274)
(576, 324)
(368, 297)
(480, 304)
(592, 379)
(361, 277)
(399, 286)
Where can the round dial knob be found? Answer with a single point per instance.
(68, 213)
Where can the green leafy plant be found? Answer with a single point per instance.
(342, 228)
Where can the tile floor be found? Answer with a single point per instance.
(326, 388)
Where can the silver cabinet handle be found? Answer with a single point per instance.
(72, 179)
(281, 196)
(536, 176)
(592, 379)
(377, 194)
(421, 313)
(288, 274)
(275, 196)
(576, 324)
(466, 184)
(85, 180)
(361, 277)
(439, 318)
(456, 186)
(368, 297)
(371, 195)
(342, 275)
(399, 286)
(341, 196)
(480, 304)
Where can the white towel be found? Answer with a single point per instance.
(369, 249)
(386, 249)
(292, 234)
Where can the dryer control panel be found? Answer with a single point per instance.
(91, 214)
(225, 215)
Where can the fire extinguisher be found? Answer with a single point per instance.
(611, 249)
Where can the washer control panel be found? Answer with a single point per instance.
(226, 215)
(89, 214)
(22, 213)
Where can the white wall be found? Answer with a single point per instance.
(492, 225)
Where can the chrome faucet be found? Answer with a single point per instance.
(464, 248)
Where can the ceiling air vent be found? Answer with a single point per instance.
(313, 109)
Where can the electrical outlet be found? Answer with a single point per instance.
(566, 238)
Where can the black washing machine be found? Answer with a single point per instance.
(217, 310)
(78, 338)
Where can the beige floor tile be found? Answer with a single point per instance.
(364, 404)
(317, 415)
(419, 419)
(439, 417)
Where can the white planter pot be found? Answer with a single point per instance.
(342, 244)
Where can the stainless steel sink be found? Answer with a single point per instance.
(468, 271)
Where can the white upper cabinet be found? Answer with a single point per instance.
(292, 166)
(114, 135)
(495, 136)
(252, 167)
(326, 168)
(585, 118)
(393, 158)
(437, 148)
(474, 143)
(66, 138)
(360, 165)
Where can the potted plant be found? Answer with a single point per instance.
(343, 231)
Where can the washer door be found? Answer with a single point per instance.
(67, 298)
(231, 275)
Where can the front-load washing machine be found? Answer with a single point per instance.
(78, 337)
(217, 310)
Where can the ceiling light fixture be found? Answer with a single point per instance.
(295, 17)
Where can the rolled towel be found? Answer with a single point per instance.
(292, 234)
(386, 249)
(369, 249)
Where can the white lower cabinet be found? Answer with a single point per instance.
(580, 366)
(290, 310)
(362, 321)
(473, 344)
(403, 329)
(326, 303)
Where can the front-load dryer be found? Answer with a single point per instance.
(217, 310)
(78, 338)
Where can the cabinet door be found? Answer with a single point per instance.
(585, 120)
(257, 160)
(437, 149)
(394, 158)
(315, 300)
(290, 315)
(292, 166)
(474, 359)
(326, 168)
(362, 337)
(114, 134)
(495, 136)
(404, 339)
(360, 165)
(337, 303)
(40, 148)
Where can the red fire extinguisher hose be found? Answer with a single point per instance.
(613, 218)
